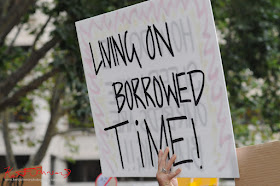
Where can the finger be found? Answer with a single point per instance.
(159, 159)
(163, 159)
(174, 181)
(170, 162)
(159, 155)
(174, 174)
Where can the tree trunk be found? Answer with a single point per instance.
(10, 82)
(13, 100)
(57, 94)
(10, 158)
(13, 16)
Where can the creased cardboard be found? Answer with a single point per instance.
(259, 165)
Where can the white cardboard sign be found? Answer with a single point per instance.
(155, 79)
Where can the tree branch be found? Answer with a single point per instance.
(27, 66)
(5, 6)
(10, 158)
(41, 32)
(13, 99)
(13, 17)
(64, 110)
(14, 39)
(57, 94)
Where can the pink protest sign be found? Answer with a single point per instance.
(155, 79)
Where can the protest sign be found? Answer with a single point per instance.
(155, 79)
(23, 177)
(259, 164)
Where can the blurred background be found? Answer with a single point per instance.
(44, 108)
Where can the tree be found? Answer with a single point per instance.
(11, 87)
(250, 52)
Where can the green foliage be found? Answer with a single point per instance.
(70, 144)
(251, 60)
(70, 159)
(23, 113)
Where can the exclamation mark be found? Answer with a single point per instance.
(197, 149)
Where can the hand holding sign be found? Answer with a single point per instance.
(164, 176)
